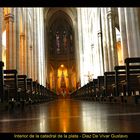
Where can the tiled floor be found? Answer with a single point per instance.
(65, 115)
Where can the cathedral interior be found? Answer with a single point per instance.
(70, 69)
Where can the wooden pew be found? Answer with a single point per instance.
(131, 84)
(73, 95)
(123, 75)
(121, 81)
(3, 90)
(132, 73)
(22, 85)
(120, 76)
(109, 79)
(42, 93)
(38, 93)
(90, 91)
(47, 94)
(95, 88)
(86, 94)
(34, 92)
(30, 90)
(81, 93)
(78, 93)
(11, 80)
(1, 82)
(100, 91)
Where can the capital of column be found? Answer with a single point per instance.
(22, 35)
(99, 33)
(109, 14)
(109, 9)
(9, 17)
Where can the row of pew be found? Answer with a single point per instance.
(122, 85)
(20, 90)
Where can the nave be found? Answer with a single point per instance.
(67, 115)
(90, 55)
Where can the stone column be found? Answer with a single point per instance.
(9, 19)
(27, 58)
(132, 31)
(100, 52)
(13, 10)
(22, 53)
(17, 39)
(43, 48)
(31, 50)
(37, 44)
(1, 16)
(108, 43)
(112, 38)
(79, 50)
(98, 43)
(122, 26)
(86, 44)
(29, 70)
(34, 46)
(104, 40)
(31, 62)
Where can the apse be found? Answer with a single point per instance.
(61, 60)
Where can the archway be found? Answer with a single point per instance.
(60, 52)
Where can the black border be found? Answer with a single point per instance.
(78, 136)
(69, 3)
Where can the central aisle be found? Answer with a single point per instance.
(65, 115)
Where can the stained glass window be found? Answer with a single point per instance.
(57, 42)
(61, 40)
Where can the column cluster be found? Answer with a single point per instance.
(85, 53)
(24, 41)
(9, 20)
(1, 15)
(130, 31)
(108, 39)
